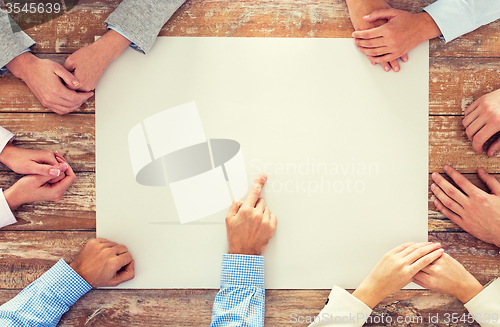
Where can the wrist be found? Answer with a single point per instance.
(368, 296)
(428, 27)
(113, 44)
(12, 198)
(21, 65)
(6, 153)
(469, 290)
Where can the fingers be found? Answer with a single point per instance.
(460, 180)
(489, 180)
(385, 65)
(369, 43)
(493, 148)
(375, 52)
(120, 249)
(422, 279)
(260, 205)
(482, 136)
(233, 210)
(400, 248)
(66, 76)
(404, 58)
(254, 194)
(410, 249)
(385, 58)
(380, 14)
(395, 65)
(427, 259)
(70, 64)
(368, 34)
(471, 117)
(448, 213)
(126, 274)
(273, 222)
(472, 107)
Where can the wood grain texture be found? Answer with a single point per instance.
(28, 254)
(265, 18)
(72, 135)
(460, 72)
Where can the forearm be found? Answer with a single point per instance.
(241, 299)
(360, 8)
(44, 301)
(21, 65)
(112, 44)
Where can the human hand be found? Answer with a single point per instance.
(43, 77)
(482, 121)
(90, 62)
(103, 263)
(250, 225)
(396, 270)
(446, 275)
(32, 162)
(476, 211)
(34, 188)
(403, 32)
(357, 10)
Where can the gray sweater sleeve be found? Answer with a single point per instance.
(11, 44)
(142, 20)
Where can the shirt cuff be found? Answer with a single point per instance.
(342, 307)
(5, 137)
(4, 69)
(6, 216)
(243, 270)
(488, 296)
(451, 17)
(132, 44)
(64, 282)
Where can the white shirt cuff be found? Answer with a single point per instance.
(344, 309)
(486, 304)
(5, 137)
(452, 18)
(6, 216)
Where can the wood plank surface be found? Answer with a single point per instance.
(460, 72)
(39, 250)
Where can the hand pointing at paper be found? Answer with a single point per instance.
(250, 225)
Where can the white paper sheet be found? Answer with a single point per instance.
(344, 144)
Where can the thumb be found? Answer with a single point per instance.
(380, 14)
(493, 148)
(67, 77)
(41, 180)
(489, 180)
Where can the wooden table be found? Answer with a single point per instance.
(460, 72)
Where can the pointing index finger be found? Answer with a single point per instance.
(254, 194)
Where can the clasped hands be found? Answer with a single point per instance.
(64, 88)
(48, 175)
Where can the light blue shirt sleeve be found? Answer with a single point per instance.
(133, 45)
(241, 299)
(44, 301)
(4, 69)
(458, 17)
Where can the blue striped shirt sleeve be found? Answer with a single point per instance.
(241, 299)
(44, 301)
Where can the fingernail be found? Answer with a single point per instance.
(387, 68)
(445, 168)
(396, 69)
(367, 16)
(75, 82)
(263, 177)
(352, 34)
(54, 172)
(433, 186)
(436, 202)
(63, 166)
(57, 152)
(434, 175)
